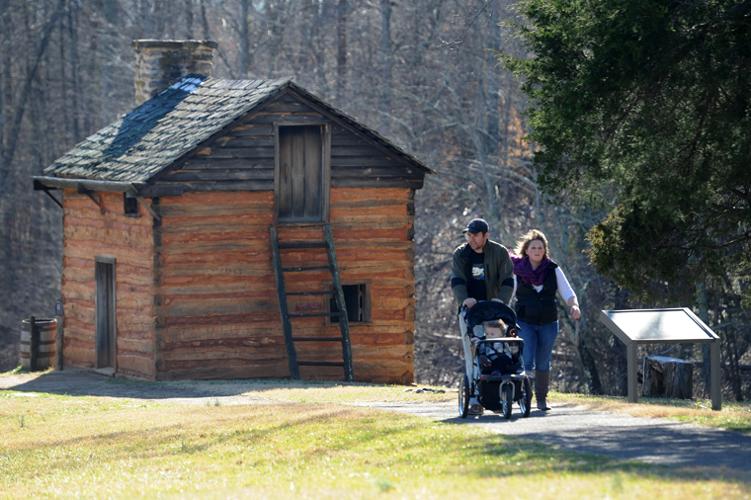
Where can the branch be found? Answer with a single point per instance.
(20, 107)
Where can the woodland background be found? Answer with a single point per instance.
(424, 73)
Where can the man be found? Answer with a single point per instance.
(482, 270)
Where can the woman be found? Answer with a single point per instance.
(537, 280)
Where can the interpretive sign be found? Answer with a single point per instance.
(656, 326)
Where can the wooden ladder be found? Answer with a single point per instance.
(289, 338)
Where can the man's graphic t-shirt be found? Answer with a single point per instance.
(476, 282)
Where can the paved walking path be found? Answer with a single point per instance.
(568, 426)
(616, 435)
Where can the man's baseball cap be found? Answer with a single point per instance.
(476, 226)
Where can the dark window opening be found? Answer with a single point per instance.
(130, 204)
(357, 301)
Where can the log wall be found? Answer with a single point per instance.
(218, 308)
(88, 231)
(218, 314)
(242, 156)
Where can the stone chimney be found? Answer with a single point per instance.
(161, 62)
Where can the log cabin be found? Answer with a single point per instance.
(235, 229)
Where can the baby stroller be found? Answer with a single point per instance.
(494, 376)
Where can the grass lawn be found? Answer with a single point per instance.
(300, 443)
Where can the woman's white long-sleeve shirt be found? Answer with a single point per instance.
(564, 287)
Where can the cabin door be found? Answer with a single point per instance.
(105, 313)
(301, 183)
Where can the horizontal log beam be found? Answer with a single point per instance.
(42, 182)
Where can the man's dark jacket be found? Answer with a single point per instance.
(499, 280)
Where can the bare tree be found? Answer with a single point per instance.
(387, 57)
(342, 8)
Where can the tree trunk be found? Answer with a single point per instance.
(667, 377)
(160, 14)
(732, 363)
(303, 67)
(493, 75)
(244, 38)
(590, 366)
(342, 9)
(6, 82)
(387, 60)
(189, 19)
(703, 306)
(74, 72)
(276, 13)
(146, 16)
(63, 79)
(505, 132)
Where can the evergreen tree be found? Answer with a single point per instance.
(642, 109)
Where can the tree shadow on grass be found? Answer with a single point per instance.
(668, 446)
(544, 459)
(75, 382)
(537, 458)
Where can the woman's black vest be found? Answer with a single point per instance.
(538, 308)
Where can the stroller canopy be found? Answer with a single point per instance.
(489, 310)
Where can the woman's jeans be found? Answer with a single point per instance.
(538, 344)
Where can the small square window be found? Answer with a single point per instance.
(358, 304)
(130, 204)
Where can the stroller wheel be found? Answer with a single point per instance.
(525, 401)
(464, 397)
(507, 400)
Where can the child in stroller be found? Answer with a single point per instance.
(494, 376)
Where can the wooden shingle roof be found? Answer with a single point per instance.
(173, 123)
(158, 132)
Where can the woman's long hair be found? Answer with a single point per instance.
(523, 243)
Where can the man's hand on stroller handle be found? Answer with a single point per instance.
(469, 302)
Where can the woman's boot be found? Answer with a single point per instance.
(542, 382)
